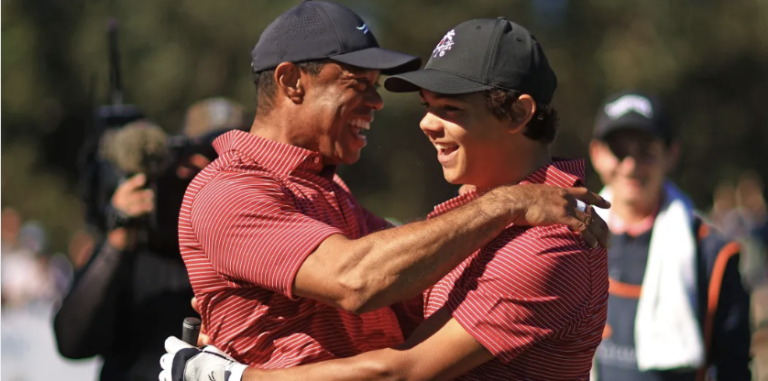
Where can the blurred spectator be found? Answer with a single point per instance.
(724, 202)
(31, 284)
(10, 223)
(749, 216)
(677, 309)
(25, 277)
(134, 290)
(740, 212)
(212, 114)
(127, 298)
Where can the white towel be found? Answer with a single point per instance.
(667, 334)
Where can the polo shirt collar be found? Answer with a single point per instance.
(562, 173)
(273, 156)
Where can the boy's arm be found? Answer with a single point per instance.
(440, 349)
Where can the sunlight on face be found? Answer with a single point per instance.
(343, 99)
(468, 138)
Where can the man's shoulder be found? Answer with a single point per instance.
(224, 181)
(714, 246)
(226, 190)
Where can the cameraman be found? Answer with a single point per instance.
(127, 298)
(135, 290)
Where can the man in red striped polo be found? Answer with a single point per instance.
(529, 304)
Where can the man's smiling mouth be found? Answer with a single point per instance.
(360, 125)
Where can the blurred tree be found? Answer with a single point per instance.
(39, 194)
(708, 58)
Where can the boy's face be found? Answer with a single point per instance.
(634, 164)
(471, 142)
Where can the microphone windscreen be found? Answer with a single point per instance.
(140, 147)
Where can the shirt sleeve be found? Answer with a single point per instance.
(373, 222)
(252, 232)
(524, 287)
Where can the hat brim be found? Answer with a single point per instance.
(388, 61)
(433, 80)
(629, 123)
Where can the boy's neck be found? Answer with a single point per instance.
(521, 163)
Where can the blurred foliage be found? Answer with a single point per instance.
(707, 58)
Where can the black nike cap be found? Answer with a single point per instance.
(633, 110)
(483, 54)
(315, 30)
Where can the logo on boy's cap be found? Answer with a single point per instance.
(444, 45)
(629, 103)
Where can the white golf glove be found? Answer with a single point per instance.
(184, 362)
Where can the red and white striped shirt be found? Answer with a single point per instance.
(247, 223)
(535, 297)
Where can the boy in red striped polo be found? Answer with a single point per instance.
(530, 304)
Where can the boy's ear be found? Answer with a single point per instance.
(522, 110)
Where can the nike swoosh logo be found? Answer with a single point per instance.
(364, 28)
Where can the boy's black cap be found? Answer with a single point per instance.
(635, 110)
(315, 30)
(480, 55)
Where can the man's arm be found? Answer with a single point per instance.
(84, 323)
(393, 265)
(254, 232)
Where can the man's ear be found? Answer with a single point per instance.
(522, 111)
(288, 80)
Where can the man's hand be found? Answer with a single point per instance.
(131, 200)
(541, 205)
(184, 362)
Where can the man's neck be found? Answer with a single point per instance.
(278, 129)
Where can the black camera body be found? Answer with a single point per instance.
(99, 178)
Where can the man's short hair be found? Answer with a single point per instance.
(543, 125)
(266, 88)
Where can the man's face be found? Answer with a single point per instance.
(633, 164)
(470, 140)
(341, 101)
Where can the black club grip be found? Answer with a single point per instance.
(190, 331)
